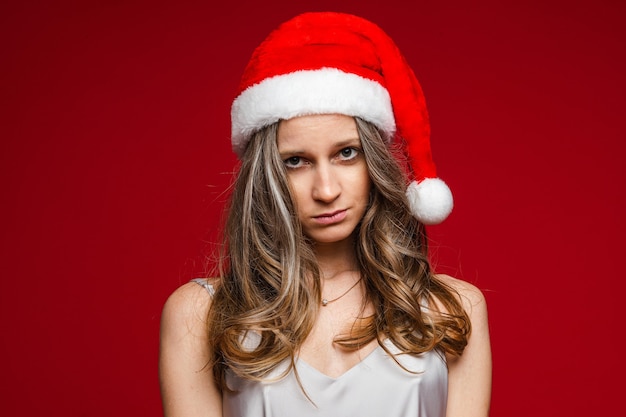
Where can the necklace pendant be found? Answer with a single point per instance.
(324, 302)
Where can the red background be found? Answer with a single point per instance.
(114, 156)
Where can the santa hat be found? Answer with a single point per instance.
(323, 63)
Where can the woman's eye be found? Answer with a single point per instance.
(293, 162)
(348, 153)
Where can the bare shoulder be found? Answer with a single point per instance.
(184, 319)
(469, 375)
(188, 304)
(470, 296)
(187, 386)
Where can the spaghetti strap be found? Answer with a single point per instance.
(205, 283)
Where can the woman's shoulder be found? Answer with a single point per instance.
(469, 375)
(470, 296)
(189, 303)
(186, 383)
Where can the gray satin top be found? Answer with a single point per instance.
(375, 387)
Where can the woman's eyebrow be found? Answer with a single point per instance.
(351, 141)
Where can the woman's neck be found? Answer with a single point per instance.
(336, 258)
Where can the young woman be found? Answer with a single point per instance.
(326, 304)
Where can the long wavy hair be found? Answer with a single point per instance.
(270, 282)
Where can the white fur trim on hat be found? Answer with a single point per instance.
(300, 93)
(430, 200)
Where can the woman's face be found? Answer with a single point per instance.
(327, 172)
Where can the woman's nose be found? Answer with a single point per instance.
(326, 186)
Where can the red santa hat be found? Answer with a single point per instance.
(324, 63)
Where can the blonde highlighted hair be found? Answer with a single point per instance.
(269, 279)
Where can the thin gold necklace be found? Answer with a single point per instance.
(325, 301)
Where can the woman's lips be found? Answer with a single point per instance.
(331, 218)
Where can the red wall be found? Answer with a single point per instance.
(114, 155)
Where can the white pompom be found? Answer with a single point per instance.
(430, 200)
